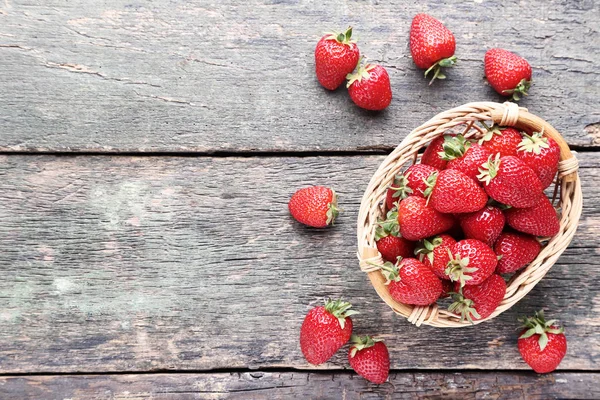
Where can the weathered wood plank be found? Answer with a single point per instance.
(135, 264)
(215, 75)
(286, 385)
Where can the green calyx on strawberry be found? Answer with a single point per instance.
(332, 209)
(490, 131)
(358, 343)
(400, 187)
(538, 325)
(521, 89)
(437, 68)
(458, 268)
(339, 309)
(427, 247)
(390, 271)
(341, 37)
(534, 143)
(454, 147)
(362, 72)
(489, 169)
(463, 306)
(388, 226)
(430, 182)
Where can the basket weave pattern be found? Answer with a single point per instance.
(464, 117)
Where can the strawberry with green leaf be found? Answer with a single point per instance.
(471, 262)
(388, 240)
(369, 87)
(412, 282)
(336, 55)
(542, 343)
(414, 181)
(369, 357)
(435, 253)
(314, 206)
(431, 155)
(502, 140)
(464, 155)
(541, 154)
(478, 301)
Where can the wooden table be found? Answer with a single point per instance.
(148, 153)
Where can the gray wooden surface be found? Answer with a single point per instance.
(213, 75)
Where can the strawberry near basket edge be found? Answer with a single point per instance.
(505, 114)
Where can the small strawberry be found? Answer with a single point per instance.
(435, 254)
(509, 181)
(325, 330)
(432, 45)
(542, 155)
(336, 55)
(539, 220)
(479, 301)
(370, 358)
(472, 262)
(515, 250)
(542, 343)
(412, 182)
(431, 156)
(369, 87)
(464, 156)
(501, 140)
(507, 73)
(388, 240)
(485, 224)
(419, 220)
(314, 206)
(455, 192)
(411, 282)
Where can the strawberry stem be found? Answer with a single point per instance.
(463, 306)
(521, 89)
(358, 343)
(437, 68)
(339, 309)
(362, 72)
(332, 209)
(538, 325)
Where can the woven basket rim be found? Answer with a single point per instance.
(372, 204)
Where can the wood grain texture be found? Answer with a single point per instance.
(260, 385)
(117, 263)
(207, 75)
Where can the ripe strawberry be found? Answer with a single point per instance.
(464, 156)
(432, 45)
(472, 262)
(509, 181)
(431, 156)
(455, 192)
(419, 220)
(485, 224)
(370, 359)
(325, 329)
(542, 155)
(515, 251)
(369, 87)
(314, 206)
(336, 55)
(447, 288)
(412, 182)
(539, 220)
(388, 240)
(479, 301)
(435, 254)
(508, 73)
(501, 140)
(542, 343)
(411, 282)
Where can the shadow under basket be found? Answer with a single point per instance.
(463, 119)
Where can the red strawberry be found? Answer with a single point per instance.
(539, 220)
(369, 87)
(370, 359)
(325, 330)
(432, 45)
(508, 73)
(515, 250)
(314, 206)
(431, 156)
(388, 240)
(542, 155)
(464, 156)
(418, 220)
(455, 192)
(509, 181)
(485, 224)
(501, 140)
(412, 182)
(472, 262)
(435, 254)
(336, 55)
(479, 301)
(447, 288)
(542, 343)
(411, 282)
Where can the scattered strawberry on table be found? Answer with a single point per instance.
(542, 343)
(336, 55)
(432, 45)
(314, 206)
(369, 357)
(507, 73)
(369, 87)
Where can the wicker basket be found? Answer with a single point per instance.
(464, 117)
